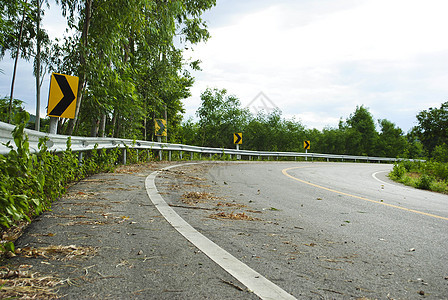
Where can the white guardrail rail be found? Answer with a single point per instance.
(57, 143)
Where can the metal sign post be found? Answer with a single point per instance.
(160, 130)
(306, 146)
(237, 140)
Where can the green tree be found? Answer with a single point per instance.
(391, 141)
(17, 106)
(129, 66)
(361, 135)
(220, 116)
(432, 128)
(332, 141)
(272, 132)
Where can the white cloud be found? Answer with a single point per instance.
(312, 59)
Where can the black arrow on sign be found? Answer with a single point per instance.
(68, 98)
(238, 138)
(161, 126)
(307, 145)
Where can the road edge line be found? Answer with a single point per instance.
(254, 281)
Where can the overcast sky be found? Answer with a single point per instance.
(315, 60)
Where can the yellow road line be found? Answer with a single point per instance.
(285, 172)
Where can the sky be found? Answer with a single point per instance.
(315, 60)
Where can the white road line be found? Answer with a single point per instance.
(377, 179)
(255, 282)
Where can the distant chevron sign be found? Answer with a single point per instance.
(62, 96)
(306, 145)
(160, 127)
(238, 138)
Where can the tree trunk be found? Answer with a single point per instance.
(15, 63)
(144, 128)
(95, 127)
(38, 41)
(82, 60)
(114, 121)
(103, 126)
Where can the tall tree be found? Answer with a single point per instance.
(128, 63)
(432, 128)
(361, 132)
(391, 141)
(220, 116)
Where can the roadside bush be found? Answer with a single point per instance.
(424, 182)
(440, 153)
(441, 170)
(30, 182)
(398, 171)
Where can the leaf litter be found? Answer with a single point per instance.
(56, 252)
(193, 198)
(233, 216)
(23, 284)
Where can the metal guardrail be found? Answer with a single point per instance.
(57, 143)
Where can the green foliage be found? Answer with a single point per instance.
(272, 132)
(432, 128)
(427, 175)
(129, 58)
(440, 153)
(220, 116)
(398, 172)
(361, 135)
(391, 141)
(424, 182)
(29, 182)
(17, 106)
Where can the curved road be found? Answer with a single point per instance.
(333, 230)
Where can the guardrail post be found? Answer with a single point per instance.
(169, 155)
(191, 155)
(137, 155)
(180, 154)
(124, 156)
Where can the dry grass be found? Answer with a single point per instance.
(56, 252)
(13, 233)
(227, 204)
(232, 216)
(193, 198)
(23, 284)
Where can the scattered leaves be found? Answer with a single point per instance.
(192, 198)
(227, 204)
(23, 284)
(52, 252)
(232, 216)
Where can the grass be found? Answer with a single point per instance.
(432, 175)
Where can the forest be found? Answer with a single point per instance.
(129, 57)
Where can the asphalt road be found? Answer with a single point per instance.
(327, 230)
(314, 230)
